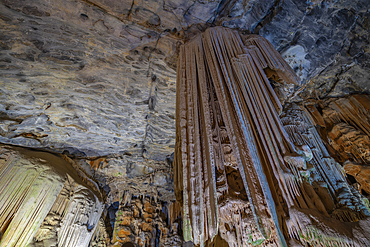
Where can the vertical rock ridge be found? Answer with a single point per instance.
(27, 193)
(223, 93)
(325, 184)
(241, 171)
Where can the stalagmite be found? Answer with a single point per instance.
(238, 173)
(143, 221)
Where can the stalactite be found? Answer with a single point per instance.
(353, 110)
(174, 211)
(41, 204)
(235, 160)
(27, 192)
(100, 237)
(348, 127)
(227, 118)
(72, 218)
(333, 194)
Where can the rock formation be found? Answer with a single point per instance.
(146, 222)
(344, 125)
(240, 171)
(88, 110)
(44, 202)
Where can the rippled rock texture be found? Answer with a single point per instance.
(74, 81)
(78, 73)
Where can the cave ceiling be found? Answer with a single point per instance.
(97, 77)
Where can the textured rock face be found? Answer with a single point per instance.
(147, 222)
(79, 73)
(348, 124)
(73, 80)
(325, 42)
(344, 125)
(140, 201)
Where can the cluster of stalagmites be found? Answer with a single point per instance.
(145, 221)
(43, 202)
(243, 174)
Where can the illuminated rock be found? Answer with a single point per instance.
(44, 202)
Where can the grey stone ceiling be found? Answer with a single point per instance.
(97, 78)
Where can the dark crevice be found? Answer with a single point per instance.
(273, 11)
(223, 9)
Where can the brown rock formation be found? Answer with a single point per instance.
(238, 173)
(348, 126)
(95, 80)
(345, 127)
(146, 222)
(361, 174)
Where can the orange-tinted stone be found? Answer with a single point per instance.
(126, 221)
(136, 213)
(123, 233)
(148, 207)
(146, 215)
(146, 227)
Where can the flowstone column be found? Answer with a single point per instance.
(237, 172)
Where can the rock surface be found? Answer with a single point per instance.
(244, 173)
(329, 38)
(147, 222)
(74, 81)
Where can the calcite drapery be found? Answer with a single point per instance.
(348, 123)
(237, 171)
(227, 119)
(325, 186)
(43, 202)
